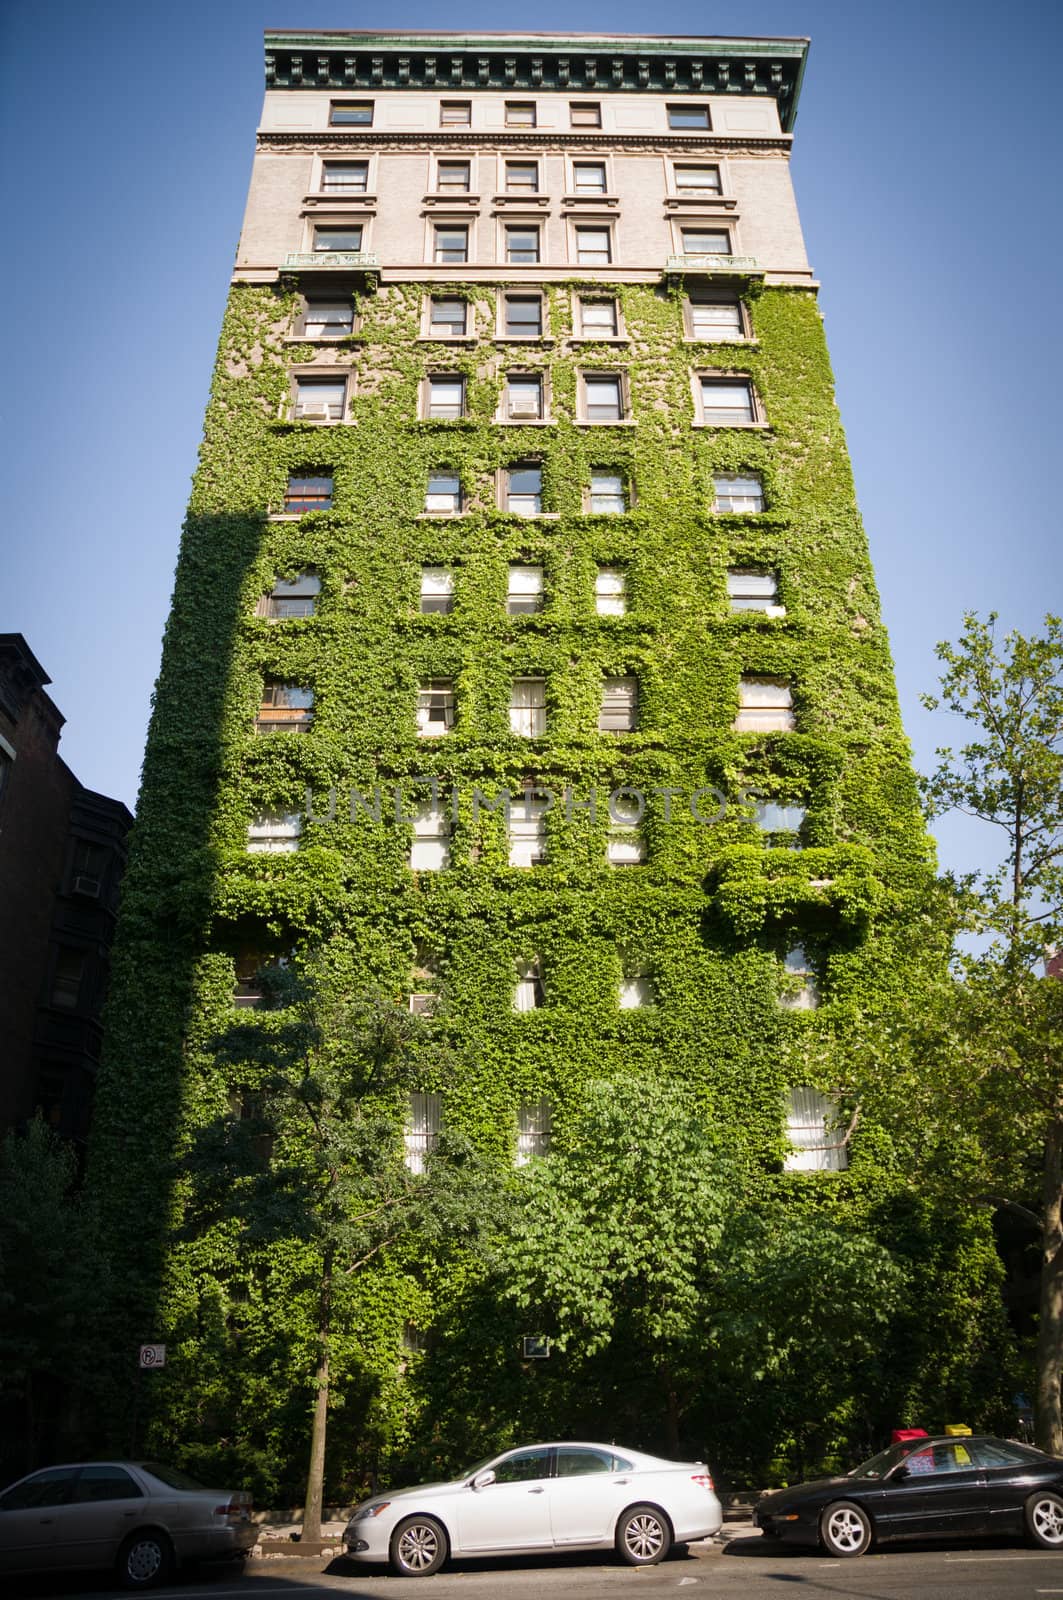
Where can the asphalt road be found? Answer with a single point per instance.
(744, 1570)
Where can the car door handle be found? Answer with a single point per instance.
(621, 1480)
(535, 1491)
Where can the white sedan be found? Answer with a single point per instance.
(541, 1497)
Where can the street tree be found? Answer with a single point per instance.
(317, 1155)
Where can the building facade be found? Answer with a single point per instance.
(525, 652)
(62, 855)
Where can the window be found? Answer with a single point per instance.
(815, 1145)
(443, 495)
(437, 590)
(291, 598)
(455, 113)
(524, 489)
(522, 245)
(430, 846)
(67, 977)
(347, 237)
(446, 397)
(421, 1131)
(523, 316)
(344, 177)
(523, 399)
(683, 116)
(328, 319)
(610, 592)
(351, 113)
(534, 1127)
(454, 177)
(603, 397)
(522, 177)
(607, 494)
(588, 177)
(274, 833)
(727, 401)
(736, 492)
(751, 590)
(451, 243)
(702, 179)
(585, 114)
(105, 1483)
(774, 816)
(320, 399)
(706, 241)
(714, 318)
(447, 318)
(574, 1461)
(307, 494)
(520, 114)
(435, 708)
(527, 830)
(619, 707)
(765, 705)
(524, 594)
(594, 247)
(528, 990)
(53, 1487)
(636, 989)
(798, 991)
(88, 868)
(285, 708)
(625, 846)
(597, 319)
(527, 707)
(250, 964)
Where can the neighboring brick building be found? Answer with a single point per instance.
(62, 853)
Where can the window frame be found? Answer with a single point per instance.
(529, 376)
(319, 377)
(509, 107)
(678, 113)
(535, 1127)
(510, 227)
(435, 476)
(436, 694)
(450, 377)
(302, 325)
(274, 833)
(688, 164)
(308, 581)
(631, 703)
(296, 506)
(321, 225)
(529, 970)
(687, 228)
(438, 226)
(773, 606)
(613, 375)
(584, 226)
(515, 606)
(538, 721)
(809, 1110)
(736, 477)
(534, 805)
(351, 122)
(603, 570)
(421, 1128)
(447, 593)
(326, 162)
(580, 300)
(505, 492)
(592, 121)
(455, 105)
(719, 377)
(300, 722)
(785, 708)
(534, 163)
(453, 161)
(626, 496)
(428, 325)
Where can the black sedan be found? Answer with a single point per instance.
(924, 1489)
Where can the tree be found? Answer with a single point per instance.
(973, 1067)
(317, 1156)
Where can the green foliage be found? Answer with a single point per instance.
(708, 917)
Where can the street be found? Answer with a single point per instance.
(743, 1568)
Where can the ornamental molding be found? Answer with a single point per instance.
(332, 142)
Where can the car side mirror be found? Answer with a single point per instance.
(900, 1473)
(483, 1479)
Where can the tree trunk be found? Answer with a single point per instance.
(1048, 1408)
(315, 1481)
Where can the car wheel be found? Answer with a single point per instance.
(844, 1529)
(1044, 1519)
(418, 1547)
(144, 1559)
(643, 1536)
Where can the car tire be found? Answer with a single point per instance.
(146, 1558)
(418, 1547)
(844, 1529)
(643, 1536)
(1044, 1519)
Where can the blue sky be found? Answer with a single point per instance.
(926, 165)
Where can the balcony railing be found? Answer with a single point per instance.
(729, 266)
(344, 260)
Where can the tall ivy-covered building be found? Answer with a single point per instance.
(525, 654)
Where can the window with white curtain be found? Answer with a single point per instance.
(528, 987)
(619, 706)
(625, 846)
(445, 397)
(527, 829)
(274, 833)
(812, 1129)
(328, 319)
(610, 592)
(527, 707)
(437, 589)
(737, 492)
(435, 708)
(534, 1127)
(524, 594)
(443, 495)
(765, 705)
(430, 847)
(716, 320)
(636, 989)
(421, 1131)
(798, 991)
(726, 402)
(607, 494)
(753, 589)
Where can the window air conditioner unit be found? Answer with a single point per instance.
(87, 886)
(523, 408)
(313, 414)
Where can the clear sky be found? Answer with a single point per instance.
(926, 162)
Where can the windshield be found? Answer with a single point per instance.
(471, 1472)
(886, 1460)
(172, 1477)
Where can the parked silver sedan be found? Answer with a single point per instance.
(541, 1497)
(139, 1517)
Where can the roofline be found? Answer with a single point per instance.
(541, 41)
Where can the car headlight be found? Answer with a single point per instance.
(374, 1509)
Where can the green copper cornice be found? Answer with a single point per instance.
(581, 63)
